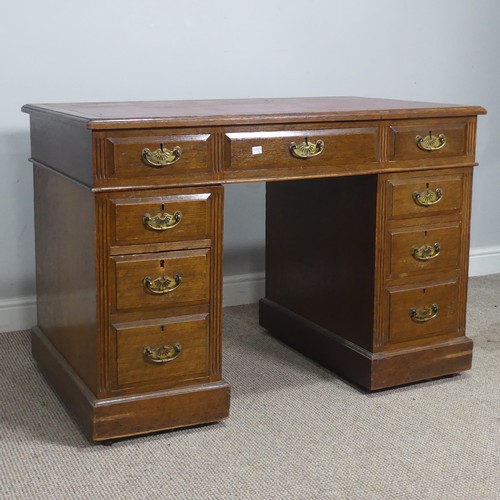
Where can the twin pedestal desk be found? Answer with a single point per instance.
(367, 234)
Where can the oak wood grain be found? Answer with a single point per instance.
(65, 270)
(340, 276)
(403, 144)
(401, 202)
(128, 212)
(268, 148)
(401, 300)
(134, 367)
(124, 152)
(192, 266)
(403, 240)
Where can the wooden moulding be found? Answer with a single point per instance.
(372, 371)
(111, 418)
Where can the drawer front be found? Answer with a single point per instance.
(168, 153)
(162, 279)
(302, 148)
(166, 350)
(428, 140)
(160, 219)
(423, 311)
(424, 249)
(426, 195)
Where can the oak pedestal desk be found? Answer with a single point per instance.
(367, 234)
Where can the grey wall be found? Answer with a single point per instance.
(56, 50)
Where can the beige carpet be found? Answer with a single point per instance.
(296, 431)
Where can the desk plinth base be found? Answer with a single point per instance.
(118, 417)
(372, 371)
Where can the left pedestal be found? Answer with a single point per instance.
(129, 311)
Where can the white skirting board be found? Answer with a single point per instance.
(20, 313)
(243, 289)
(17, 313)
(484, 260)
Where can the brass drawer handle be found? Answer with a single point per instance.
(428, 197)
(162, 284)
(425, 252)
(306, 149)
(430, 142)
(161, 157)
(162, 221)
(162, 354)
(423, 314)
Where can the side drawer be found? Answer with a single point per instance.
(425, 195)
(165, 217)
(428, 140)
(423, 310)
(166, 350)
(161, 279)
(165, 153)
(304, 148)
(424, 249)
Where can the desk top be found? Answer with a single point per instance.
(105, 115)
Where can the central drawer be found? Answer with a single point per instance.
(161, 279)
(304, 148)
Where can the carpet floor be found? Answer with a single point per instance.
(296, 430)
